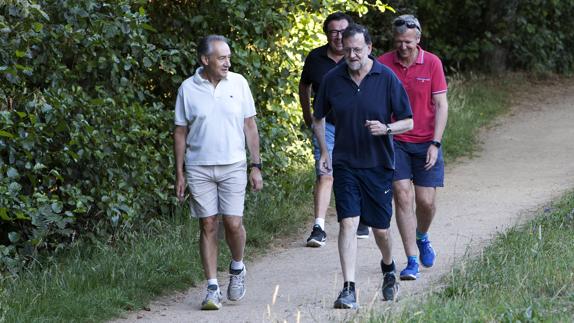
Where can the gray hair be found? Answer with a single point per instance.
(403, 23)
(204, 47)
(354, 29)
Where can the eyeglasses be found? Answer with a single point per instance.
(357, 50)
(335, 32)
(410, 24)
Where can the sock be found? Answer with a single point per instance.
(320, 222)
(387, 268)
(414, 259)
(237, 265)
(422, 235)
(212, 282)
(349, 285)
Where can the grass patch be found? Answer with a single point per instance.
(526, 275)
(96, 282)
(473, 103)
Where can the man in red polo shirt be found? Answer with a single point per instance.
(418, 156)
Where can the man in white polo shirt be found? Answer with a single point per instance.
(214, 118)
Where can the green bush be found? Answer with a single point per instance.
(488, 36)
(86, 106)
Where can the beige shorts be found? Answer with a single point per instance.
(218, 189)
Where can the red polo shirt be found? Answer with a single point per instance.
(421, 80)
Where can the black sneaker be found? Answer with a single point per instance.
(317, 237)
(347, 299)
(363, 231)
(390, 286)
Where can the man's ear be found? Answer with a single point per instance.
(204, 60)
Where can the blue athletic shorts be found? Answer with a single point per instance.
(364, 192)
(329, 140)
(410, 159)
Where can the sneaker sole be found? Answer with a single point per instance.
(237, 299)
(315, 243)
(363, 236)
(426, 265)
(346, 306)
(210, 306)
(409, 277)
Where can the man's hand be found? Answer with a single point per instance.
(325, 167)
(255, 179)
(376, 128)
(180, 188)
(432, 155)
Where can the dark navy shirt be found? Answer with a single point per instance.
(380, 96)
(317, 64)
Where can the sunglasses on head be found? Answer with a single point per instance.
(410, 24)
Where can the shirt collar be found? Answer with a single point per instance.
(420, 57)
(198, 79)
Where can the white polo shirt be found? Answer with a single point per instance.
(214, 117)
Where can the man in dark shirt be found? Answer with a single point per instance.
(319, 61)
(364, 97)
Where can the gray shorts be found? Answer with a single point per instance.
(218, 189)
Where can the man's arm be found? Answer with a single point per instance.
(441, 115)
(377, 128)
(179, 136)
(324, 161)
(252, 138)
(305, 99)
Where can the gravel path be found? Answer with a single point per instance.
(526, 160)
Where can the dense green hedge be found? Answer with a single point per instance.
(86, 105)
(489, 36)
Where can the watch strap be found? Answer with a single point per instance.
(256, 165)
(435, 143)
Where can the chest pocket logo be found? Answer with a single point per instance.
(423, 79)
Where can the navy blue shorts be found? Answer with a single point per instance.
(364, 192)
(410, 162)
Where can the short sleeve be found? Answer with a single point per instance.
(306, 74)
(438, 80)
(180, 119)
(248, 102)
(321, 104)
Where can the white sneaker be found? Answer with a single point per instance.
(213, 298)
(236, 288)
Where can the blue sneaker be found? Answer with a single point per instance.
(426, 252)
(411, 272)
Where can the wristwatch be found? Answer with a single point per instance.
(435, 143)
(388, 129)
(256, 165)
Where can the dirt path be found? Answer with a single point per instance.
(527, 160)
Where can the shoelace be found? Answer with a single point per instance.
(236, 281)
(426, 246)
(213, 294)
(345, 292)
(389, 278)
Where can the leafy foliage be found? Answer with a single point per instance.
(86, 105)
(490, 36)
